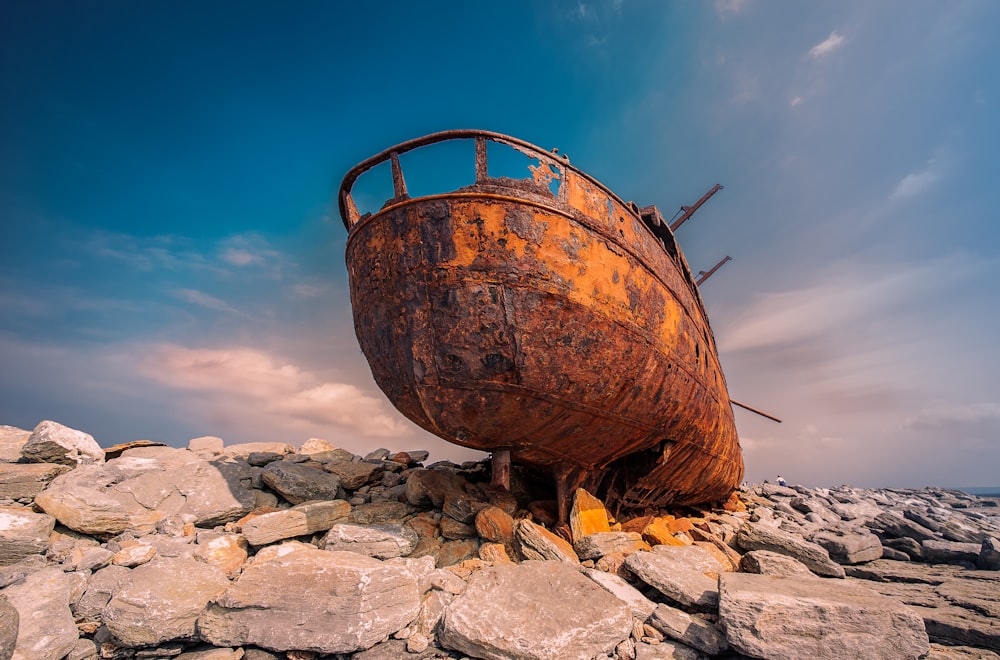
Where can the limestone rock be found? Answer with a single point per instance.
(787, 617)
(9, 621)
(950, 552)
(989, 555)
(536, 542)
(354, 475)
(52, 442)
(162, 600)
(101, 586)
(894, 525)
(764, 562)
(690, 630)
(534, 611)
(12, 439)
(756, 536)
(227, 552)
(300, 483)
(378, 512)
(849, 547)
(89, 510)
(380, 541)
(666, 651)
(685, 574)
(207, 446)
(23, 533)
(640, 606)
(244, 449)
(306, 518)
(594, 546)
(46, 630)
(26, 480)
(273, 603)
(587, 515)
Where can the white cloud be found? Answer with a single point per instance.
(828, 45)
(250, 382)
(915, 183)
(795, 101)
(205, 300)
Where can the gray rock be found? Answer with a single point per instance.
(161, 601)
(912, 549)
(756, 536)
(9, 620)
(534, 611)
(354, 475)
(595, 546)
(640, 606)
(684, 574)
(892, 553)
(101, 586)
(849, 547)
(89, 510)
(537, 543)
(788, 617)
(306, 518)
(46, 630)
(12, 439)
(380, 541)
(52, 442)
(989, 555)
(773, 491)
(894, 525)
(23, 533)
(300, 483)
(210, 493)
(84, 649)
(950, 552)
(272, 604)
(26, 480)
(764, 562)
(378, 512)
(690, 630)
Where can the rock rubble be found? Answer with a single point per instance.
(262, 551)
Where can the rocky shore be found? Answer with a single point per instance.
(266, 551)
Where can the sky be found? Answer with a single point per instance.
(172, 258)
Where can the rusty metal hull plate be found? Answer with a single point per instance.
(561, 329)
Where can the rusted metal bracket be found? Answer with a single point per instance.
(702, 275)
(689, 210)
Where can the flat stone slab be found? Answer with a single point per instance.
(536, 610)
(766, 616)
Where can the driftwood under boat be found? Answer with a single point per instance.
(544, 317)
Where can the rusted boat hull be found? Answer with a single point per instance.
(557, 325)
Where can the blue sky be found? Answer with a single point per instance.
(172, 262)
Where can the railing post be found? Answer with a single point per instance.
(398, 183)
(481, 164)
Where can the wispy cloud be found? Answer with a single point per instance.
(828, 45)
(251, 249)
(916, 183)
(251, 382)
(948, 415)
(205, 300)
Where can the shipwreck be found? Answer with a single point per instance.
(545, 320)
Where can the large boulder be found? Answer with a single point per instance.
(52, 442)
(300, 520)
(380, 541)
(23, 533)
(685, 574)
(536, 542)
(854, 546)
(161, 601)
(26, 480)
(299, 483)
(789, 617)
(210, 493)
(757, 536)
(77, 500)
(273, 603)
(12, 439)
(537, 610)
(46, 630)
(688, 629)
